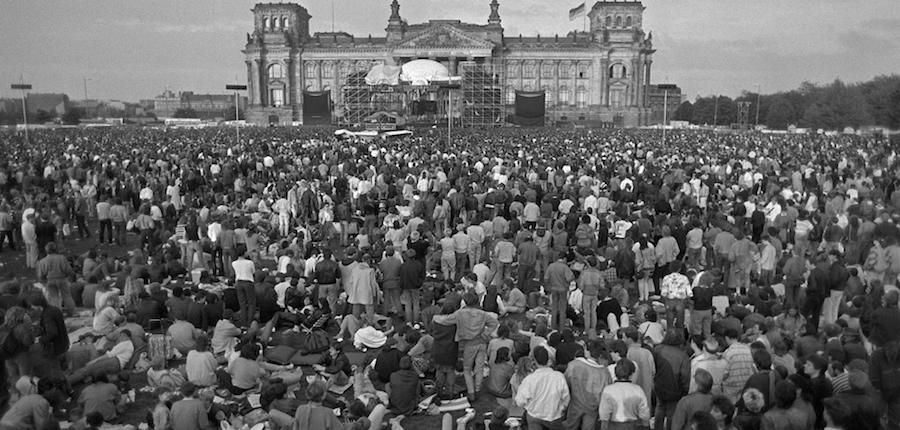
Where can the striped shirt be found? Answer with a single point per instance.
(738, 369)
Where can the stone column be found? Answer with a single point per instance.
(639, 78)
(289, 95)
(453, 66)
(647, 78)
(320, 66)
(604, 81)
(251, 84)
(261, 78)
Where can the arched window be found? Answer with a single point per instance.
(265, 23)
(276, 97)
(608, 21)
(581, 97)
(512, 70)
(628, 21)
(529, 69)
(328, 69)
(276, 71)
(565, 70)
(563, 95)
(284, 22)
(547, 70)
(549, 95)
(310, 69)
(617, 71)
(276, 23)
(618, 21)
(583, 72)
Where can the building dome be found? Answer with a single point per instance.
(423, 72)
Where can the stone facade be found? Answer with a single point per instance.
(602, 74)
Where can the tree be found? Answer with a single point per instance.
(186, 113)
(703, 111)
(73, 116)
(781, 114)
(837, 106)
(685, 111)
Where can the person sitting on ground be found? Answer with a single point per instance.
(114, 361)
(200, 366)
(404, 389)
(314, 416)
(100, 396)
(190, 413)
(31, 411)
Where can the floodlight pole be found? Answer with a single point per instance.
(236, 88)
(22, 86)
(449, 114)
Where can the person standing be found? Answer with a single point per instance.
(244, 270)
(623, 404)
(54, 271)
(544, 394)
(118, 213)
(528, 256)
(389, 268)
(476, 240)
(557, 280)
(411, 280)
(29, 238)
(6, 227)
(675, 288)
(362, 286)
(739, 366)
(474, 327)
(587, 377)
(103, 217)
(590, 281)
(461, 242)
(696, 401)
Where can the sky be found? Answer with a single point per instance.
(131, 50)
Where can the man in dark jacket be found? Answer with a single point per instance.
(886, 320)
(446, 353)
(673, 377)
(54, 338)
(411, 280)
(884, 371)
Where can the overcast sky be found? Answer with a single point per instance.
(133, 49)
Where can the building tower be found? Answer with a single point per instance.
(625, 60)
(272, 55)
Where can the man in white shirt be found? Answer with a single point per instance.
(544, 394)
(113, 362)
(244, 270)
(476, 239)
(213, 230)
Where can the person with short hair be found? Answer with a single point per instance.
(190, 413)
(474, 327)
(587, 377)
(623, 404)
(114, 361)
(544, 394)
(314, 416)
(697, 401)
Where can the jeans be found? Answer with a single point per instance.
(665, 411)
(474, 254)
(526, 272)
(675, 311)
(369, 309)
(106, 226)
(580, 419)
(558, 304)
(461, 264)
(411, 302)
(445, 381)
(589, 309)
(792, 292)
(120, 234)
(539, 424)
(474, 355)
(246, 300)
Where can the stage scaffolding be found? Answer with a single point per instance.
(482, 92)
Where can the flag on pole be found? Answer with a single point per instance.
(576, 11)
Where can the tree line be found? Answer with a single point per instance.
(831, 106)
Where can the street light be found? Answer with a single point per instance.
(665, 88)
(22, 86)
(236, 88)
(758, 89)
(85, 80)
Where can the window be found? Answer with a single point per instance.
(547, 70)
(609, 21)
(276, 71)
(512, 70)
(328, 69)
(628, 22)
(617, 71)
(563, 95)
(618, 21)
(581, 97)
(265, 23)
(277, 97)
(616, 96)
(284, 22)
(310, 69)
(549, 95)
(583, 72)
(276, 23)
(529, 69)
(565, 70)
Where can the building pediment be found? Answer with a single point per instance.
(443, 36)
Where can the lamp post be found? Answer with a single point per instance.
(236, 88)
(22, 86)
(716, 113)
(85, 80)
(758, 89)
(665, 88)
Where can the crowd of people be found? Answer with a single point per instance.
(575, 279)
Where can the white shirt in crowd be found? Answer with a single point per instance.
(243, 269)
